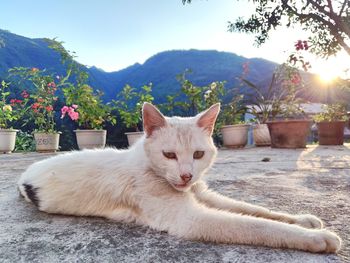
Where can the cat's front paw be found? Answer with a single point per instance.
(322, 241)
(308, 221)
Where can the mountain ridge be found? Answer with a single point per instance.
(160, 69)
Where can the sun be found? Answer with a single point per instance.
(327, 76)
(332, 68)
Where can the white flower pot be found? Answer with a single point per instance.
(261, 135)
(91, 139)
(235, 136)
(7, 140)
(133, 137)
(46, 142)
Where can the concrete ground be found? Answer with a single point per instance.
(314, 180)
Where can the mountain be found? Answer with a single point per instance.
(206, 66)
(160, 70)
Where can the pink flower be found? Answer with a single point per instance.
(25, 94)
(70, 111)
(52, 84)
(64, 110)
(73, 115)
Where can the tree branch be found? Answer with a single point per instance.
(333, 28)
(330, 7)
(343, 7)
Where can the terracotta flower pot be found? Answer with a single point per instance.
(235, 136)
(331, 133)
(133, 137)
(261, 135)
(91, 139)
(46, 142)
(289, 133)
(7, 140)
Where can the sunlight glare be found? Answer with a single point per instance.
(332, 68)
(327, 76)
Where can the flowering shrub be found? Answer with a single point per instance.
(291, 84)
(129, 104)
(87, 107)
(9, 110)
(280, 98)
(41, 102)
(198, 98)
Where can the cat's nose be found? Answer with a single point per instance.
(186, 177)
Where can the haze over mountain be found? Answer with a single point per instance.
(160, 70)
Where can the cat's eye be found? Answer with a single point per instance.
(198, 154)
(170, 155)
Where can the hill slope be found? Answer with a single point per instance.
(160, 70)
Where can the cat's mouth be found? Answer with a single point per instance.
(181, 186)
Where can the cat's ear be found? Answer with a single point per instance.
(152, 119)
(207, 118)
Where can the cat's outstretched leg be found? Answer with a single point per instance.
(215, 200)
(184, 217)
(123, 214)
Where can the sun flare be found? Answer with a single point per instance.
(332, 68)
(327, 76)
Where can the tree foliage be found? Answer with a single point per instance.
(328, 22)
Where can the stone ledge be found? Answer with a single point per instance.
(313, 180)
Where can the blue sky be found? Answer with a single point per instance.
(113, 34)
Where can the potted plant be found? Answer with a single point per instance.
(234, 131)
(331, 124)
(89, 111)
(289, 127)
(7, 115)
(40, 105)
(129, 105)
(264, 106)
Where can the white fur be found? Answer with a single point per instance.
(139, 185)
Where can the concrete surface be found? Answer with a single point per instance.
(315, 180)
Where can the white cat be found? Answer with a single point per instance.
(158, 183)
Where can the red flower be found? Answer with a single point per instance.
(40, 99)
(301, 45)
(49, 108)
(35, 106)
(296, 79)
(13, 102)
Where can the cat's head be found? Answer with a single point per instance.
(179, 149)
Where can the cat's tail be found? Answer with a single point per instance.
(29, 192)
